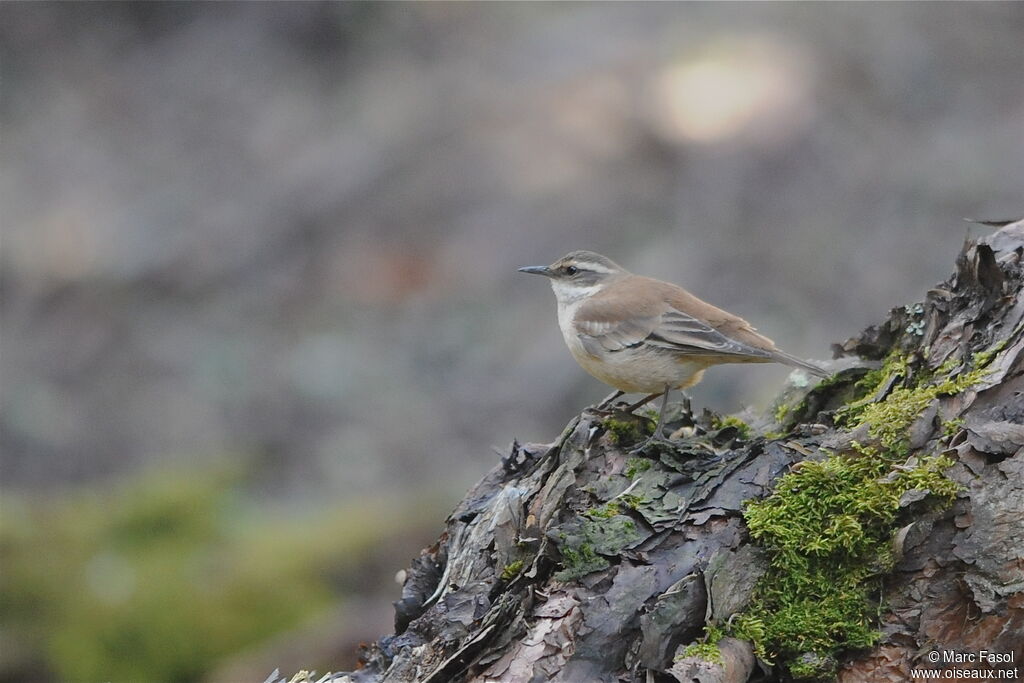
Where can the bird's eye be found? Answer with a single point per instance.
(572, 270)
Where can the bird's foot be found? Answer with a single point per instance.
(653, 444)
(604, 412)
(608, 407)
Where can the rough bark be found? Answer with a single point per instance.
(537, 577)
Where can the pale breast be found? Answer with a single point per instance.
(638, 370)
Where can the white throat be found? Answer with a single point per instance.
(569, 293)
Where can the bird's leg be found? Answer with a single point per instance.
(604, 407)
(607, 403)
(661, 414)
(656, 435)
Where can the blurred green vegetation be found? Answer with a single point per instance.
(159, 577)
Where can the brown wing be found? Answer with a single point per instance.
(735, 329)
(598, 335)
(684, 333)
(633, 318)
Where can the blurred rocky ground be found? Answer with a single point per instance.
(285, 235)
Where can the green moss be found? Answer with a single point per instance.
(829, 523)
(631, 501)
(812, 667)
(635, 466)
(889, 420)
(951, 427)
(706, 648)
(751, 628)
(722, 422)
(622, 432)
(585, 541)
(511, 570)
(868, 386)
(983, 358)
(787, 414)
(837, 388)
(579, 561)
(606, 511)
(650, 412)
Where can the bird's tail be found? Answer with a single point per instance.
(793, 361)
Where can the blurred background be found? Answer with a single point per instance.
(261, 320)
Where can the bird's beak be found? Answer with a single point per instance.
(537, 270)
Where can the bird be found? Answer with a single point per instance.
(642, 335)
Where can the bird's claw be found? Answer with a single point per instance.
(603, 411)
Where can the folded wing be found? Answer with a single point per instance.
(671, 330)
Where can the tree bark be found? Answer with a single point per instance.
(580, 561)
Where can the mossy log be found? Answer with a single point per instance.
(872, 520)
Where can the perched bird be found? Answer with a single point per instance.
(639, 334)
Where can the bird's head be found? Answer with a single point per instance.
(579, 274)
